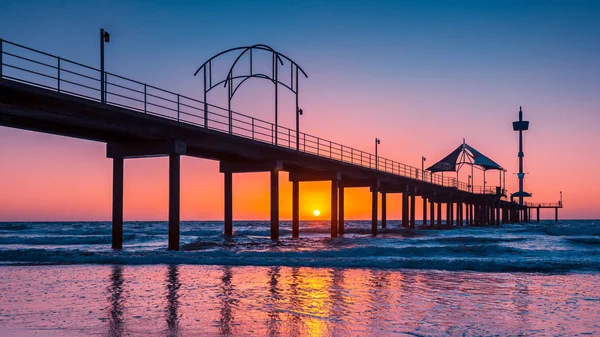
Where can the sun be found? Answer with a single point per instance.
(316, 212)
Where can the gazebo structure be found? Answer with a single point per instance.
(467, 155)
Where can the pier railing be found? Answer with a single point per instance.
(543, 204)
(40, 69)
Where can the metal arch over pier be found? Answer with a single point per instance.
(45, 93)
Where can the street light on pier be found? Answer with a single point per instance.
(423, 159)
(377, 142)
(104, 38)
(560, 201)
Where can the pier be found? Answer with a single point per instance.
(46, 93)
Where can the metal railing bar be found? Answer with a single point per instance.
(30, 60)
(29, 71)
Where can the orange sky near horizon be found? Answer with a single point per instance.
(62, 179)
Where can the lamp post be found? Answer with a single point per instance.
(377, 142)
(299, 113)
(504, 183)
(560, 201)
(104, 38)
(469, 186)
(483, 181)
(423, 159)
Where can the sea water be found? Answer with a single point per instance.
(61, 279)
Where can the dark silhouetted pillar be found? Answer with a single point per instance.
(228, 177)
(492, 215)
(538, 214)
(274, 204)
(334, 207)
(556, 214)
(341, 210)
(295, 209)
(374, 198)
(383, 210)
(412, 208)
(439, 214)
(405, 209)
(424, 211)
(431, 212)
(174, 200)
(117, 207)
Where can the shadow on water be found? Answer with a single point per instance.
(116, 320)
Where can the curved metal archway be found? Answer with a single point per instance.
(228, 82)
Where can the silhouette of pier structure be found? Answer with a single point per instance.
(45, 93)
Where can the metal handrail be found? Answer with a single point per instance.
(543, 204)
(135, 95)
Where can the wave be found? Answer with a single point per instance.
(585, 240)
(301, 259)
(62, 240)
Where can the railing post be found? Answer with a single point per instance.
(342, 152)
(58, 75)
(318, 146)
(289, 139)
(330, 152)
(178, 107)
(145, 87)
(1, 54)
(252, 128)
(352, 155)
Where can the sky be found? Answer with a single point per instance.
(420, 76)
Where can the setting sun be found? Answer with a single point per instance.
(316, 212)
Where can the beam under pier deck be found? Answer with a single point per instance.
(117, 206)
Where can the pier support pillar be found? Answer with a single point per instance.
(295, 209)
(405, 208)
(449, 219)
(275, 204)
(412, 207)
(424, 211)
(334, 207)
(538, 214)
(374, 197)
(556, 214)
(341, 210)
(431, 212)
(228, 196)
(117, 206)
(383, 210)
(497, 209)
(492, 215)
(174, 200)
(439, 214)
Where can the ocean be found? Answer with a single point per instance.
(62, 279)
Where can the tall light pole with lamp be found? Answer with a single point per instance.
(104, 38)
(377, 142)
